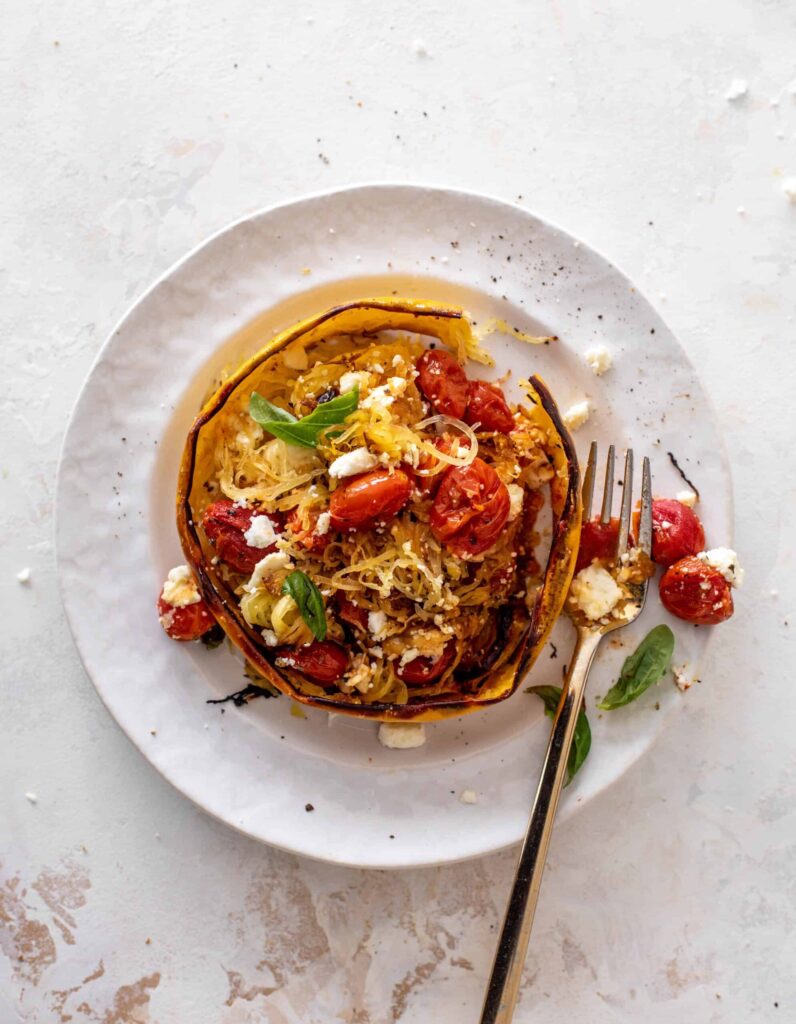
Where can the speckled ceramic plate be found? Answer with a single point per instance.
(260, 768)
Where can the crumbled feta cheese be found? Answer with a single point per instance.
(23, 576)
(270, 637)
(377, 652)
(261, 533)
(599, 359)
(420, 48)
(360, 676)
(358, 461)
(595, 592)
(576, 415)
(377, 368)
(686, 498)
(397, 360)
(739, 87)
(468, 796)
(352, 379)
(516, 495)
(789, 188)
(376, 623)
(397, 385)
(266, 567)
(401, 735)
(682, 681)
(240, 503)
(378, 398)
(726, 561)
(408, 655)
(31, 798)
(180, 588)
(412, 455)
(323, 524)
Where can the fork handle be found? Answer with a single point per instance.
(504, 982)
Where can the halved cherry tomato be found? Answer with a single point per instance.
(350, 612)
(322, 661)
(369, 499)
(470, 509)
(487, 406)
(696, 592)
(676, 531)
(420, 671)
(443, 382)
(189, 622)
(225, 525)
(306, 536)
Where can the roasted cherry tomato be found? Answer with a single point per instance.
(350, 612)
(487, 407)
(225, 525)
(369, 499)
(696, 592)
(187, 623)
(322, 661)
(420, 671)
(676, 531)
(470, 509)
(443, 382)
(307, 536)
(428, 485)
(597, 540)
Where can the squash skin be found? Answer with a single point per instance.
(527, 634)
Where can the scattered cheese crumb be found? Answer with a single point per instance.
(265, 567)
(408, 655)
(352, 379)
(270, 637)
(180, 588)
(31, 798)
(599, 359)
(682, 681)
(789, 188)
(516, 495)
(358, 461)
(739, 87)
(261, 533)
(420, 48)
(726, 561)
(686, 498)
(576, 415)
(401, 736)
(323, 524)
(23, 576)
(468, 796)
(376, 623)
(595, 592)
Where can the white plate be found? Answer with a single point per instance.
(258, 767)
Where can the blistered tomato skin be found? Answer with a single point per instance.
(487, 407)
(322, 661)
(350, 612)
(308, 538)
(190, 622)
(676, 531)
(443, 382)
(369, 499)
(597, 540)
(424, 670)
(225, 524)
(470, 509)
(696, 592)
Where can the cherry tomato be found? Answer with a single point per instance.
(696, 592)
(186, 623)
(597, 540)
(676, 531)
(322, 661)
(470, 509)
(369, 499)
(420, 671)
(350, 612)
(307, 537)
(428, 485)
(225, 525)
(487, 406)
(443, 382)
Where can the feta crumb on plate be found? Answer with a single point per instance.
(726, 561)
(595, 592)
(31, 798)
(576, 415)
(686, 498)
(599, 359)
(682, 681)
(261, 533)
(789, 188)
(739, 87)
(358, 461)
(401, 735)
(23, 576)
(468, 796)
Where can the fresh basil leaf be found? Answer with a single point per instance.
(581, 741)
(262, 411)
(645, 666)
(304, 432)
(309, 600)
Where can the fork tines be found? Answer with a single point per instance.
(644, 539)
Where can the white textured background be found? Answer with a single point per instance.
(132, 130)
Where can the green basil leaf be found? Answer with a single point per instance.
(645, 666)
(581, 741)
(309, 600)
(263, 411)
(304, 432)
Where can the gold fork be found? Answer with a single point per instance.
(504, 982)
